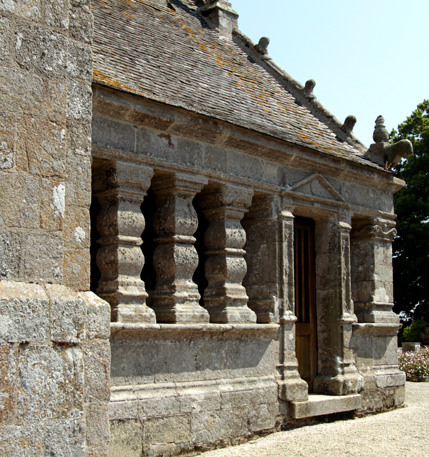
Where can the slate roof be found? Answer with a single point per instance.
(172, 56)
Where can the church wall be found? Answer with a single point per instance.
(54, 334)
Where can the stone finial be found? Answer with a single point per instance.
(308, 88)
(386, 154)
(381, 135)
(349, 123)
(262, 46)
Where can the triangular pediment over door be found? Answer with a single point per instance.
(316, 188)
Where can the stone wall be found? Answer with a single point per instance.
(45, 152)
(54, 348)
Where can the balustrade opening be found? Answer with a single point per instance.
(170, 247)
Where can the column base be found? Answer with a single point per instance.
(341, 384)
(135, 314)
(229, 314)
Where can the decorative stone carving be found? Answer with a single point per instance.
(308, 88)
(176, 297)
(386, 154)
(120, 191)
(262, 45)
(349, 124)
(345, 273)
(225, 297)
(382, 230)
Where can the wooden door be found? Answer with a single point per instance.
(305, 299)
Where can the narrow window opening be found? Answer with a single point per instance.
(199, 276)
(148, 274)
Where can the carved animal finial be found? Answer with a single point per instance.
(383, 153)
(262, 46)
(381, 135)
(308, 88)
(349, 123)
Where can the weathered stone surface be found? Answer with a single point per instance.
(237, 151)
(126, 438)
(318, 405)
(24, 314)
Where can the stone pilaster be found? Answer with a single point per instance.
(338, 375)
(291, 386)
(375, 333)
(225, 297)
(176, 297)
(120, 223)
(262, 258)
(372, 270)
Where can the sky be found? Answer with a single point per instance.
(368, 57)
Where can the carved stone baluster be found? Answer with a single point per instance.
(176, 297)
(120, 223)
(225, 297)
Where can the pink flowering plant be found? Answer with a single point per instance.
(415, 364)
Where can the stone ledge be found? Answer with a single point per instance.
(130, 329)
(380, 329)
(322, 405)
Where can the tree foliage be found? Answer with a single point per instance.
(411, 246)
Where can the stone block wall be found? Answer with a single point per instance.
(54, 348)
(182, 387)
(45, 146)
(54, 371)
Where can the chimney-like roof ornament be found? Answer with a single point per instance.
(386, 154)
(220, 15)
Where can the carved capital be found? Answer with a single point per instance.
(380, 229)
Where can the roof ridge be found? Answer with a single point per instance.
(303, 94)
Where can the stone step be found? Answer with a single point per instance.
(321, 405)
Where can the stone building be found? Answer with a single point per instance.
(192, 248)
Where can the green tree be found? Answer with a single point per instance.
(411, 246)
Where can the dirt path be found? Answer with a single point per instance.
(403, 432)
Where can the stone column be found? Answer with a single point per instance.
(176, 297)
(291, 386)
(120, 223)
(225, 297)
(338, 374)
(372, 270)
(262, 258)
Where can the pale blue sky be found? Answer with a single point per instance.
(368, 57)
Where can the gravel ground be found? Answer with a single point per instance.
(400, 433)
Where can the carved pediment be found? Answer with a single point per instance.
(316, 187)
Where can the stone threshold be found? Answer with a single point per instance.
(322, 405)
